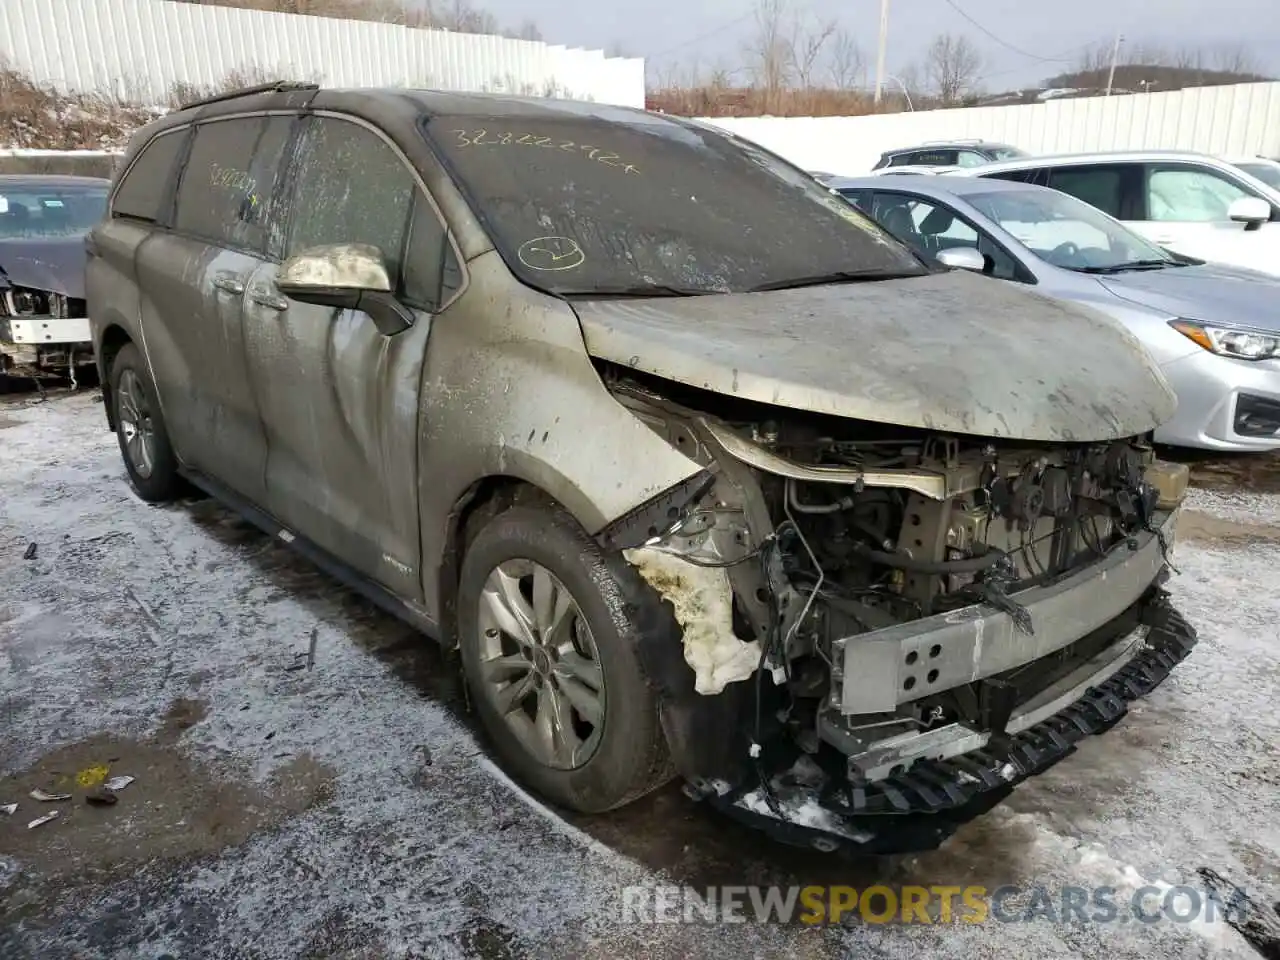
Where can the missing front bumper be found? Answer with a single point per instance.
(918, 809)
(880, 671)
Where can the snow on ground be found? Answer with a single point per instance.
(350, 811)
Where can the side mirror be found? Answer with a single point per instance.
(963, 258)
(1253, 212)
(349, 276)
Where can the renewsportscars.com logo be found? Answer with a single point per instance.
(882, 904)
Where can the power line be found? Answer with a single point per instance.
(1004, 43)
(704, 36)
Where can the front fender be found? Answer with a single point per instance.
(509, 391)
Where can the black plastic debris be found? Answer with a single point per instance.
(102, 797)
(1257, 923)
(32, 547)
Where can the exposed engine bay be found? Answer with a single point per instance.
(867, 583)
(43, 333)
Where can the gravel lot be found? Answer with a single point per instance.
(351, 811)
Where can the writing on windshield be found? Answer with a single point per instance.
(579, 205)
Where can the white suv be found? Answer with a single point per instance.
(1189, 203)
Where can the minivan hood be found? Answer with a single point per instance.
(951, 352)
(53, 264)
(1213, 293)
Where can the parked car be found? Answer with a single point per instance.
(697, 467)
(1214, 330)
(43, 221)
(1187, 202)
(904, 171)
(1260, 168)
(949, 153)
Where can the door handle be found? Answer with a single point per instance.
(229, 284)
(269, 300)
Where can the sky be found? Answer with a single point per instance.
(1025, 40)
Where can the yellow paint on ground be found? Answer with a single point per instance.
(92, 776)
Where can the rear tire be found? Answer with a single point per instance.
(140, 429)
(549, 627)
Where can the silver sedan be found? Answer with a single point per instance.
(1214, 329)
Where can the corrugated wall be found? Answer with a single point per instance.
(1239, 119)
(139, 49)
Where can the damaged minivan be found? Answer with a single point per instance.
(699, 471)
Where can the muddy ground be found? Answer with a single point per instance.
(351, 810)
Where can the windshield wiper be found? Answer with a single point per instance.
(640, 290)
(840, 276)
(1130, 265)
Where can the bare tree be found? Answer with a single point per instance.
(805, 48)
(769, 49)
(1234, 58)
(845, 64)
(528, 30)
(951, 66)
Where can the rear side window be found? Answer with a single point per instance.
(351, 187)
(1100, 187)
(229, 184)
(928, 158)
(143, 192)
(1019, 176)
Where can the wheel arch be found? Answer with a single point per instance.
(114, 339)
(697, 728)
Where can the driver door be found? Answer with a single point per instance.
(339, 400)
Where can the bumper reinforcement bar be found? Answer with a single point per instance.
(918, 809)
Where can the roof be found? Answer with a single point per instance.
(1041, 160)
(50, 180)
(936, 185)
(946, 144)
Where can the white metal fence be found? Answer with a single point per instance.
(139, 49)
(1239, 119)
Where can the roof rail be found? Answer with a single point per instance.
(275, 86)
(935, 143)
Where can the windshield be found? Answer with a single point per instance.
(31, 211)
(582, 205)
(1064, 231)
(1008, 153)
(1268, 173)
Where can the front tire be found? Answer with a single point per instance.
(549, 627)
(140, 429)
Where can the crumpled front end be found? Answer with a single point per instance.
(42, 332)
(887, 627)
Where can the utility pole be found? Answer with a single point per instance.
(1115, 55)
(884, 40)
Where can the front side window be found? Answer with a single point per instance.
(931, 227)
(33, 209)
(228, 188)
(1008, 153)
(143, 192)
(350, 187)
(1190, 195)
(970, 158)
(1067, 232)
(1101, 187)
(580, 205)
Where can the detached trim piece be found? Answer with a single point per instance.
(655, 515)
(924, 482)
(917, 810)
